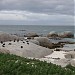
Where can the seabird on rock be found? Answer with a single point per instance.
(21, 46)
(23, 42)
(9, 44)
(28, 43)
(3, 45)
(1, 42)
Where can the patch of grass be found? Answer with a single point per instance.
(15, 65)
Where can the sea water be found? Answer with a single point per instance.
(40, 29)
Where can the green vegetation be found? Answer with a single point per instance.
(15, 65)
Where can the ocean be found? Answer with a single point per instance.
(40, 29)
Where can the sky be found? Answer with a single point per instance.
(37, 12)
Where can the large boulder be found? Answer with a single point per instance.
(52, 34)
(4, 51)
(6, 36)
(35, 42)
(25, 50)
(70, 55)
(66, 34)
(44, 41)
(32, 34)
(73, 62)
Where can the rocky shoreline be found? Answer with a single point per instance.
(51, 48)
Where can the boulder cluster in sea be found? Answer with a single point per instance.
(53, 34)
(66, 34)
(44, 40)
(32, 34)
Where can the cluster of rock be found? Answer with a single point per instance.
(32, 34)
(66, 34)
(7, 37)
(53, 34)
(70, 55)
(44, 41)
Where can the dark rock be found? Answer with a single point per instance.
(66, 34)
(44, 41)
(52, 34)
(7, 37)
(32, 34)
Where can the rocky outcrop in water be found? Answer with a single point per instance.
(32, 34)
(52, 34)
(66, 34)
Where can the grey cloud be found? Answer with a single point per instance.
(40, 6)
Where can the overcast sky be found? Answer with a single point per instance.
(37, 12)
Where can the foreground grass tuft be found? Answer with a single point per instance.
(15, 65)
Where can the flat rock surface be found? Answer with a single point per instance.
(28, 50)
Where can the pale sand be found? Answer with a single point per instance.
(57, 55)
